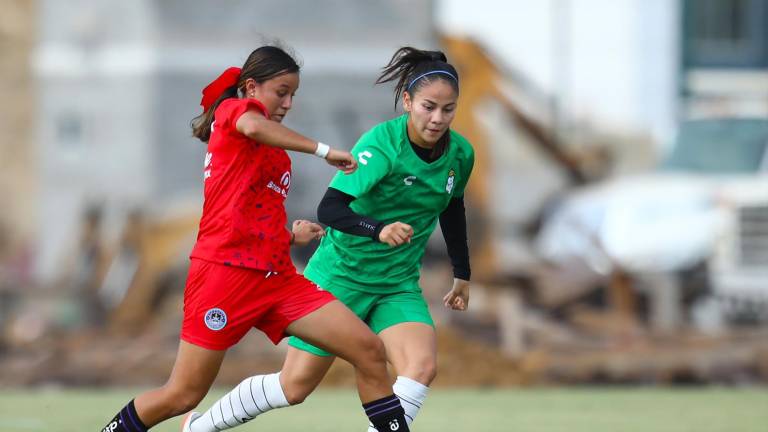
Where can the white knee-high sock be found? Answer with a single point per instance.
(411, 394)
(255, 395)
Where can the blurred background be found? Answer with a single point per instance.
(618, 209)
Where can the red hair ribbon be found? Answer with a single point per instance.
(215, 89)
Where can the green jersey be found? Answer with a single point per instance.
(391, 184)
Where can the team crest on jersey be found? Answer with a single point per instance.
(451, 178)
(215, 319)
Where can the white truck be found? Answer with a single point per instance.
(706, 205)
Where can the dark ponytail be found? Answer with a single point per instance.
(409, 64)
(263, 64)
(201, 125)
(413, 69)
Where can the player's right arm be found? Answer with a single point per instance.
(334, 210)
(376, 160)
(259, 128)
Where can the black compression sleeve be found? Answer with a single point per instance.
(335, 212)
(453, 223)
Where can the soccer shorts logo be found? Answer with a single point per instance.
(215, 319)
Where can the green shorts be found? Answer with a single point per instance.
(379, 311)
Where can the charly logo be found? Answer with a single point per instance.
(394, 425)
(215, 319)
(364, 156)
(409, 180)
(451, 178)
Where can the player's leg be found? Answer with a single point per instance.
(304, 310)
(336, 329)
(404, 324)
(191, 378)
(300, 375)
(412, 350)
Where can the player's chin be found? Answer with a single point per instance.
(277, 117)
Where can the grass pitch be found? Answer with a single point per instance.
(555, 410)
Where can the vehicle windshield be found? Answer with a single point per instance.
(722, 146)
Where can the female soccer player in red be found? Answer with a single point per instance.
(241, 275)
(413, 172)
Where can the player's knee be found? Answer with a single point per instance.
(296, 389)
(182, 401)
(372, 349)
(296, 394)
(423, 369)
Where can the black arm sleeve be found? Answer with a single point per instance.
(453, 223)
(335, 212)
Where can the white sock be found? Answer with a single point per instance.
(411, 394)
(255, 395)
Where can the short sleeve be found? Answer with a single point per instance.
(231, 109)
(467, 162)
(374, 157)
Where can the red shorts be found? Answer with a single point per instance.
(221, 303)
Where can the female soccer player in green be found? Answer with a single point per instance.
(412, 171)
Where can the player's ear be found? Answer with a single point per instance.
(407, 102)
(250, 87)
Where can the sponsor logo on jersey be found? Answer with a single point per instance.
(409, 180)
(215, 319)
(451, 178)
(363, 157)
(207, 165)
(285, 184)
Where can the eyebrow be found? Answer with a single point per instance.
(435, 103)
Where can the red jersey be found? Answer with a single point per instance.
(246, 183)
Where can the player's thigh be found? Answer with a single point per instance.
(403, 322)
(336, 329)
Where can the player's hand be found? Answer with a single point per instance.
(458, 297)
(342, 160)
(396, 233)
(305, 231)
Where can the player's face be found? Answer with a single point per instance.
(275, 93)
(431, 110)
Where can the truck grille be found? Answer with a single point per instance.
(753, 236)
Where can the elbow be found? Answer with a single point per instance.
(323, 212)
(253, 128)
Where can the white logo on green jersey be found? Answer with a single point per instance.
(449, 184)
(364, 156)
(409, 180)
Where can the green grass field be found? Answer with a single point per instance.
(566, 410)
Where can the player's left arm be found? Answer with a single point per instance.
(453, 224)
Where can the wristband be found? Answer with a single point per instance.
(322, 150)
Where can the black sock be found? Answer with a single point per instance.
(386, 414)
(126, 421)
